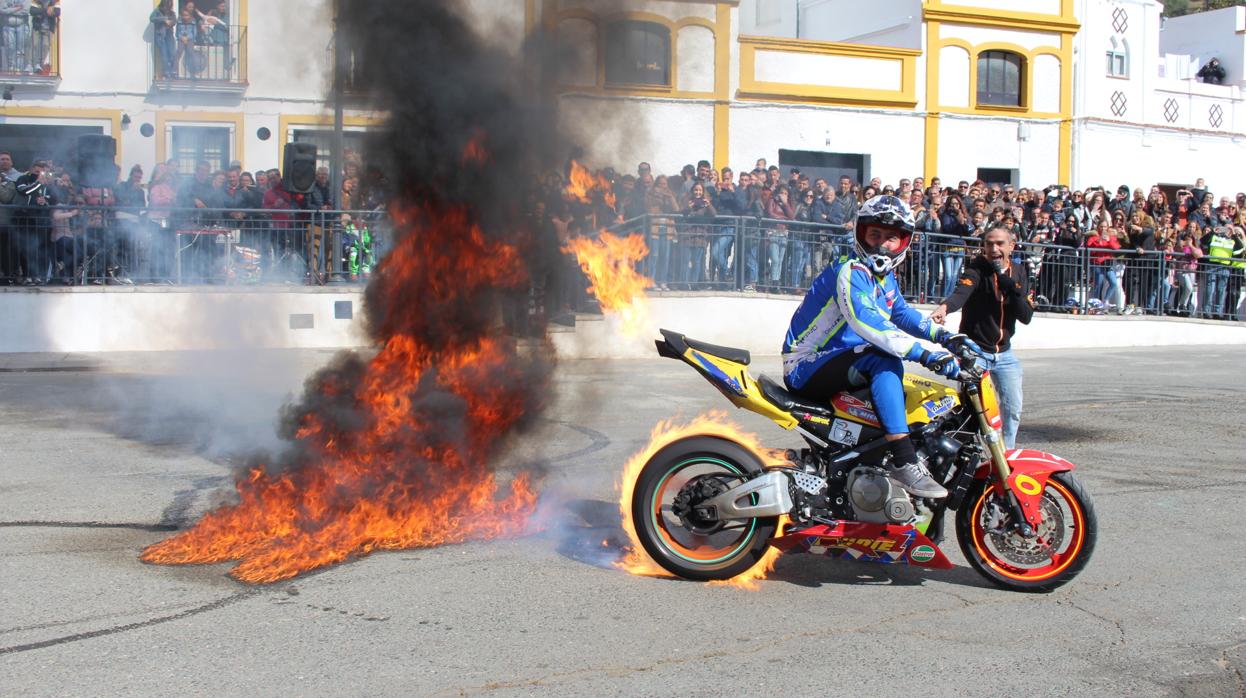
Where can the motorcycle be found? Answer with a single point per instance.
(707, 508)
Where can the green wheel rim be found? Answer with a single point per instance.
(653, 514)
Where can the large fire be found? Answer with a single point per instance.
(610, 261)
(396, 455)
(582, 184)
(637, 561)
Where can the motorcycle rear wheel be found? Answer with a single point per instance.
(680, 550)
(1065, 543)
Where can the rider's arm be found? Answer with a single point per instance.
(855, 296)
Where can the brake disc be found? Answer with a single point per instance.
(1032, 551)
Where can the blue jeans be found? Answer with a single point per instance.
(720, 255)
(658, 263)
(16, 48)
(1214, 287)
(800, 259)
(166, 49)
(691, 263)
(752, 243)
(1105, 282)
(1007, 373)
(777, 250)
(951, 270)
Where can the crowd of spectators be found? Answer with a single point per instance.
(1097, 250)
(27, 28)
(53, 230)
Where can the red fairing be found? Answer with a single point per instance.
(1030, 471)
(867, 542)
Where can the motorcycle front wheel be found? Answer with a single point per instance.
(686, 472)
(1066, 536)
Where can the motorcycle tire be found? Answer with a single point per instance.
(1003, 559)
(678, 549)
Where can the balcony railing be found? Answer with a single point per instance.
(215, 61)
(28, 54)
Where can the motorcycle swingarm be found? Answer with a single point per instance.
(763, 496)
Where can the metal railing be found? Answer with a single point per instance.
(83, 245)
(759, 254)
(28, 49)
(180, 58)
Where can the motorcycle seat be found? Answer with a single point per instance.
(740, 356)
(784, 399)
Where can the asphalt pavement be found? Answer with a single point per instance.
(102, 456)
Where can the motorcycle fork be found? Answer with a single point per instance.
(995, 445)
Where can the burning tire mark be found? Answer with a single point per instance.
(213, 606)
(599, 442)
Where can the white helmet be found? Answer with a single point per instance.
(890, 212)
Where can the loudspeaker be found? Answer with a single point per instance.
(298, 172)
(97, 161)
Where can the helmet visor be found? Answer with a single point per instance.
(876, 238)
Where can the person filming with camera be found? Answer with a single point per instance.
(995, 295)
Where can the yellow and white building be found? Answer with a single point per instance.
(1009, 90)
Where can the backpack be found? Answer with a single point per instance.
(8, 192)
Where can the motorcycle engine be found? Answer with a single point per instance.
(875, 499)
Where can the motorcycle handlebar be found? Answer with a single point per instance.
(968, 359)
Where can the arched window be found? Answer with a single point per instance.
(1118, 59)
(638, 53)
(1000, 78)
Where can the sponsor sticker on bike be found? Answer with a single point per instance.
(922, 553)
(845, 432)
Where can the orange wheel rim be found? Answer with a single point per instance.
(1059, 561)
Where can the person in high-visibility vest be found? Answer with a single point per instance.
(1237, 275)
(1221, 248)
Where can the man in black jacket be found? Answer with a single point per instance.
(995, 294)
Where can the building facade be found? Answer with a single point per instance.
(1032, 92)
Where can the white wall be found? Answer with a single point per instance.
(1220, 34)
(624, 131)
(759, 324)
(1112, 155)
(892, 139)
(139, 319)
(855, 22)
(967, 143)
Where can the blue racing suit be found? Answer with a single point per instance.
(849, 309)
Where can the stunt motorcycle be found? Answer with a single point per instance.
(706, 508)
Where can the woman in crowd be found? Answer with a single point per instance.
(161, 196)
(800, 244)
(698, 213)
(1102, 242)
(955, 223)
(1120, 229)
(1141, 231)
(1188, 254)
(754, 240)
(163, 27)
(1096, 212)
(780, 208)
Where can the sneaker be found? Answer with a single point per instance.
(916, 480)
(750, 288)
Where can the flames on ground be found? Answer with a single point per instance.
(636, 560)
(390, 475)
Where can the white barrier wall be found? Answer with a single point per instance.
(90, 320)
(162, 319)
(759, 323)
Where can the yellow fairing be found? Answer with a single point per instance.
(990, 402)
(924, 399)
(734, 381)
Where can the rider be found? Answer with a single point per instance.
(854, 327)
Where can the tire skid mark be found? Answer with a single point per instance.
(213, 606)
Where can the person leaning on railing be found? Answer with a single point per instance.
(778, 208)
(1141, 231)
(698, 213)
